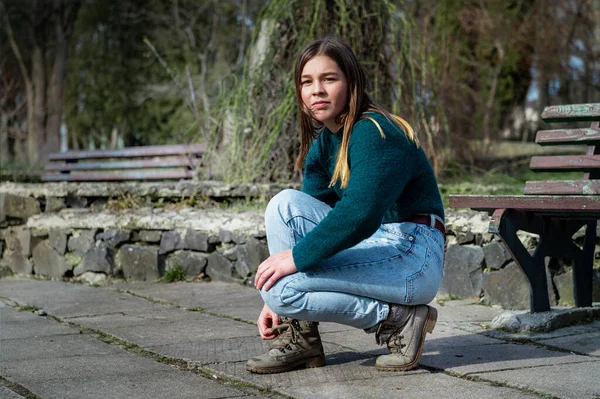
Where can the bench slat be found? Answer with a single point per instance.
(557, 163)
(117, 176)
(570, 203)
(167, 162)
(562, 187)
(568, 136)
(572, 113)
(145, 151)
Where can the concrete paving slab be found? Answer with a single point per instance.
(485, 358)
(465, 310)
(38, 327)
(443, 336)
(78, 365)
(71, 300)
(6, 393)
(197, 327)
(205, 295)
(38, 337)
(54, 346)
(581, 343)
(219, 298)
(238, 349)
(395, 385)
(576, 381)
(112, 376)
(341, 367)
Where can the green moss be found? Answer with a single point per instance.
(72, 259)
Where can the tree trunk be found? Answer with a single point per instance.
(38, 126)
(55, 90)
(4, 154)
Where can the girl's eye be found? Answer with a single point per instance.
(304, 82)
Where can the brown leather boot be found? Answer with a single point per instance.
(404, 333)
(298, 344)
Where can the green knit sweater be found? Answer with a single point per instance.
(391, 180)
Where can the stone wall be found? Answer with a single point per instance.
(478, 265)
(66, 230)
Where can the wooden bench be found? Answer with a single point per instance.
(555, 210)
(159, 162)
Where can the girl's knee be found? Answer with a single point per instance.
(281, 201)
(283, 300)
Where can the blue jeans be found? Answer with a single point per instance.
(400, 263)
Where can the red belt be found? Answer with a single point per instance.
(425, 219)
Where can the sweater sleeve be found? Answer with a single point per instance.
(380, 168)
(316, 178)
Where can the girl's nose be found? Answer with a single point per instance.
(318, 88)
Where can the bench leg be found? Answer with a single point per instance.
(583, 267)
(533, 266)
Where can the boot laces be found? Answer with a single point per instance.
(392, 337)
(288, 334)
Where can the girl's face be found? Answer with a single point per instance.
(324, 90)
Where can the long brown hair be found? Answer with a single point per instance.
(359, 102)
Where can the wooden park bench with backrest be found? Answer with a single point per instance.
(159, 162)
(555, 210)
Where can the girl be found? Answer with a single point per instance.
(362, 244)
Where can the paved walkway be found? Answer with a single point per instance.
(191, 340)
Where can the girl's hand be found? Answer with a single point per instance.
(276, 266)
(266, 321)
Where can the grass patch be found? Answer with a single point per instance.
(174, 274)
(28, 308)
(122, 202)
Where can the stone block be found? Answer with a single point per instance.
(509, 288)
(197, 241)
(47, 262)
(596, 286)
(249, 256)
(529, 240)
(54, 204)
(213, 239)
(114, 237)
(230, 253)
(97, 259)
(98, 205)
(564, 286)
(58, 240)
(225, 236)
(170, 241)
(193, 263)
(463, 268)
(92, 278)
(14, 206)
(150, 236)
(139, 262)
(496, 255)
(81, 241)
(73, 201)
(18, 263)
(465, 237)
(219, 268)
(24, 237)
